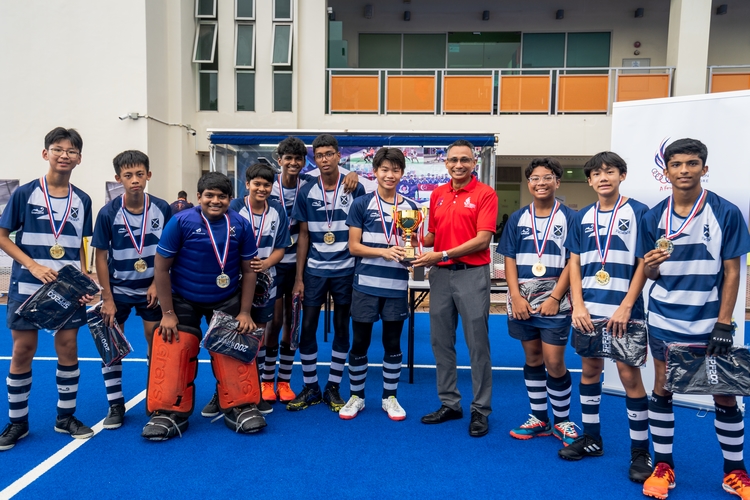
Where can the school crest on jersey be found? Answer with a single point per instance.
(344, 200)
(557, 231)
(155, 223)
(706, 232)
(273, 226)
(74, 214)
(623, 226)
(231, 231)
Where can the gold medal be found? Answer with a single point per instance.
(57, 251)
(140, 266)
(329, 238)
(664, 244)
(538, 269)
(602, 277)
(222, 280)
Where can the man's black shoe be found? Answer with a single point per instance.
(442, 415)
(12, 433)
(583, 446)
(479, 425)
(641, 466)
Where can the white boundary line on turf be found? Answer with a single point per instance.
(19, 484)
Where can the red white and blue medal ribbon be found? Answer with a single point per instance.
(289, 210)
(56, 231)
(540, 249)
(670, 235)
(603, 252)
(221, 259)
(329, 219)
(259, 232)
(138, 247)
(388, 234)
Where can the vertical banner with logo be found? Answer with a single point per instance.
(640, 132)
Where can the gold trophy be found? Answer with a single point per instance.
(409, 221)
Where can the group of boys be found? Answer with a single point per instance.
(318, 235)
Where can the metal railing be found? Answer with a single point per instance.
(727, 78)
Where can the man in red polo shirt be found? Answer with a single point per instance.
(463, 214)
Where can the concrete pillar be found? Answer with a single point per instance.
(687, 45)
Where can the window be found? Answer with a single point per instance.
(208, 85)
(484, 50)
(246, 90)
(379, 51)
(205, 9)
(587, 50)
(282, 91)
(423, 51)
(566, 50)
(282, 45)
(205, 42)
(244, 46)
(543, 50)
(244, 10)
(282, 10)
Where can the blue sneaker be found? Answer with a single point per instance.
(532, 428)
(565, 431)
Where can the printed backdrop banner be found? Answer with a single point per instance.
(640, 132)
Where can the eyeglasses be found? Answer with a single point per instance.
(546, 178)
(327, 156)
(465, 161)
(72, 153)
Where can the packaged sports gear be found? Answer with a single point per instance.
(172, 369)
(630, 348)
(222, 337)
(263, 285)
(237, 383)
(296, 321)
(110, 341)
(537, 291)
(56, 302)
(690, 371)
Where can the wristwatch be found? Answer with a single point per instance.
(445, 256)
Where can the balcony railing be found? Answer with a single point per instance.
(492, 92)
(728, 78)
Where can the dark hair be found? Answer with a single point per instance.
(461, 142)
(324, 140)
(58, 134)
(182, 194)
(215, 180)
(130, 158)
(550, 163)
(259, 170)
(686, 147)
(393, 155)
(291, 146)
(607, 158)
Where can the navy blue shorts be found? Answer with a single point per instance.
(263, 314)
(190, 313)
(285, 276)
(369, 308)
(16, 322)
(316, 288)
(658, 348)
(522, 330)
(141, 309)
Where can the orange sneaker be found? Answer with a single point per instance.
(737, 483)
(660, 481)
(284, 392)
(267, 392)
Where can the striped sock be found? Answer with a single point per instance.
(638, 422)
(591, 397)
(559, 396)
(661, 422)
(536, 385)
(391, 373)
(260, 359)
(113, 383)
(269, 368)
(338, 360)
(357, 374)
(286, 361)
(730, 429)
(309, 367)
(67, 389)
(19, 388)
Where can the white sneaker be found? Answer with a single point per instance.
(352, 408)
(395, 412)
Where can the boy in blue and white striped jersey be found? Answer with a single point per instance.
(606, 281)
(692, 246)
(380, 282)
(51, 217)
(126, 234)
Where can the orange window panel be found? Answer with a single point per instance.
(411, 94)
(352, 93)
(727, 82)
(583, 93)
(636, 87)
(524, 94)
(467, 94)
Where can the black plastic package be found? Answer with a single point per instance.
(537, 291)
(56, 302)
(222, 337)
(296, 321)
(263, 285)
(690, 371)
(110, 341)
(630, 349)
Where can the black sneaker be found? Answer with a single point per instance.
(115, 416)
(582, 446)
(163, 426)
(310, 395)
(333, 399)
(264, 407)
(71, 425)
(244, 419)
(212, 408)
(641, 466)
(12, 433)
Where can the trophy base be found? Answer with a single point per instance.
(419, 274)
(409, 254)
